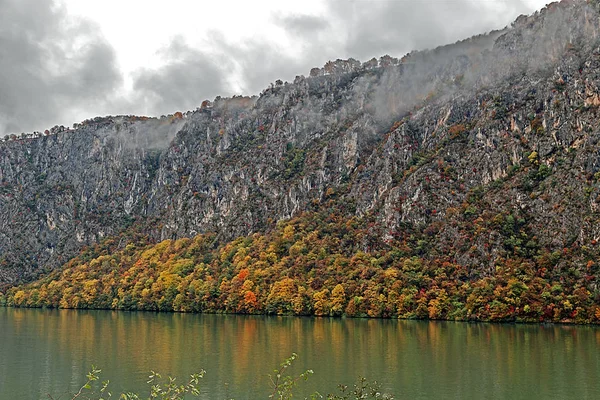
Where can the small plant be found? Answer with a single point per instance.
(537, 125)
(363, 389)
(533, 158)
(283, 385)
(169, 390)
(456, 130)
(92, 376)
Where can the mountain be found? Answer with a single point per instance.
(473, 162)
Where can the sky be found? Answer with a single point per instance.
(62, 61)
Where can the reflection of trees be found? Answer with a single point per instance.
(414, 358)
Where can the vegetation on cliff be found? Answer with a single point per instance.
(458, 183)
(321, 263)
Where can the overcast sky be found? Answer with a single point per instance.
(62, 61)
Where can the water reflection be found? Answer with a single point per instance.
(49, 351)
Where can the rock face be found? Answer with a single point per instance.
(500, 124)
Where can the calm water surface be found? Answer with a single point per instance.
(49, 352)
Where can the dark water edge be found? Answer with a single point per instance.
(566, 322)
(49, 351)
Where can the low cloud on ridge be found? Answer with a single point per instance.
(54, 67)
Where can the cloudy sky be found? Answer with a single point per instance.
(62, 61)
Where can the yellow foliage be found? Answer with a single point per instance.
(338, 300)
(321, 302)
(288, 232)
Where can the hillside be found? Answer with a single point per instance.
(314, 265)
(470, 169)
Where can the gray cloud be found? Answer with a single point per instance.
(396, 27)
(368, 29)
(303, 25)
(191, 75)
(349, 28)
(53, 67)
(49, 63)
(258, 63)
(188, 77)
(365, 29)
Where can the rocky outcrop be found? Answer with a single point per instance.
(497, 125)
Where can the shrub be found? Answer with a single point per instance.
(282, 387)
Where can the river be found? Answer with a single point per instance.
(49, 352)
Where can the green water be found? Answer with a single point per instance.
(49, 351)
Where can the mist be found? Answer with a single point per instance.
(59, 69)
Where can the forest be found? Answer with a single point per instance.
(323, 264)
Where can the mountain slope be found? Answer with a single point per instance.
(314, 264)
(478, 154)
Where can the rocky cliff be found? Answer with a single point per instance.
(485, 147)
